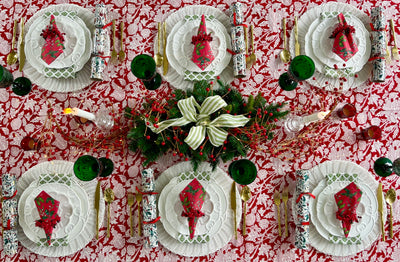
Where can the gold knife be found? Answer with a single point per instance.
(296, 38)
(233, 205)
(165, 60)
(97, 206)
(380, 208)
(21, 47)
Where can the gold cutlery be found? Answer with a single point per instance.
(158, 57)
(277, 201)
(380, 209)
(165, 60)
(114, 54)
(285, 55)
(390, 197)
(253, 57)
(388, 56)
(233, 206)
(12, 56)
(285, 198)
(122, 55)
(21, 46)
(245, 194)
(109, 198)
(395, 51)
(97, 206)
(248, 64)
(139, 198)
(131, 201)
(296, 38)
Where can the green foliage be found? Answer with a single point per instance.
(239, 141)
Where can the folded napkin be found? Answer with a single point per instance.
(192, 198)
(347, 201)
(202, 54)
(54, 45)
(344, 45)
(48, 208)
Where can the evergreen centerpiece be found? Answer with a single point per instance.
(203, 124)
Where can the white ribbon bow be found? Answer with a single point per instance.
(197, 133)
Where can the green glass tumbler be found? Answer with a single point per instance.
(144, 67)
(301, 68)
(87, 168)
(6, 78)
(108, 166)
(383, 167)
(396, 166)
(243, 171)
(21, 86)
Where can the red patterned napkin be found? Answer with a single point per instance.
(47, 207)
(344, 44)
(347, 201)
(192, 198)
(202, 54)
(54, 45)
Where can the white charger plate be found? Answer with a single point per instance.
(173, 77)
(318, 173)
(319, 79)
(89, 229)
(82, 78)
(180, 49)
(218, 240)
(77, 43)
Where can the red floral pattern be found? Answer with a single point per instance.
(376, 103)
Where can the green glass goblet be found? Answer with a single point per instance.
(21, 86)
(144, 67)
(383, 167)
(6, 78)
(87, 168)
(243, 171)
(396, 166)
(108, 166)
(301, 68)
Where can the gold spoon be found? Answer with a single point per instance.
(121, 55)
(285, 55)
(139, 198)
(245, 194)
(253, 57)
(390, 197)
(109, 198)
(12, 56)
(158, 57)
(114, 54)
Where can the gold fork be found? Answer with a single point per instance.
(388, 56)
(277, 201)
(395, 51)
(139, 198)
(285, 198)
(131, 201)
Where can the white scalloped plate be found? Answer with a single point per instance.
(77, 42)
(214, 209)
(173, 77)
(89, 229)
(322, 44)
(180, 49)
(218, 240)
(366, 211)
(319, 79)
(82, 79)
(318, 173)
(69, 211)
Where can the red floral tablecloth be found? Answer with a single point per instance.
(378, 104)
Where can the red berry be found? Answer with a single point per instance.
(148, 137)
(163, 143)
(201, 153)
